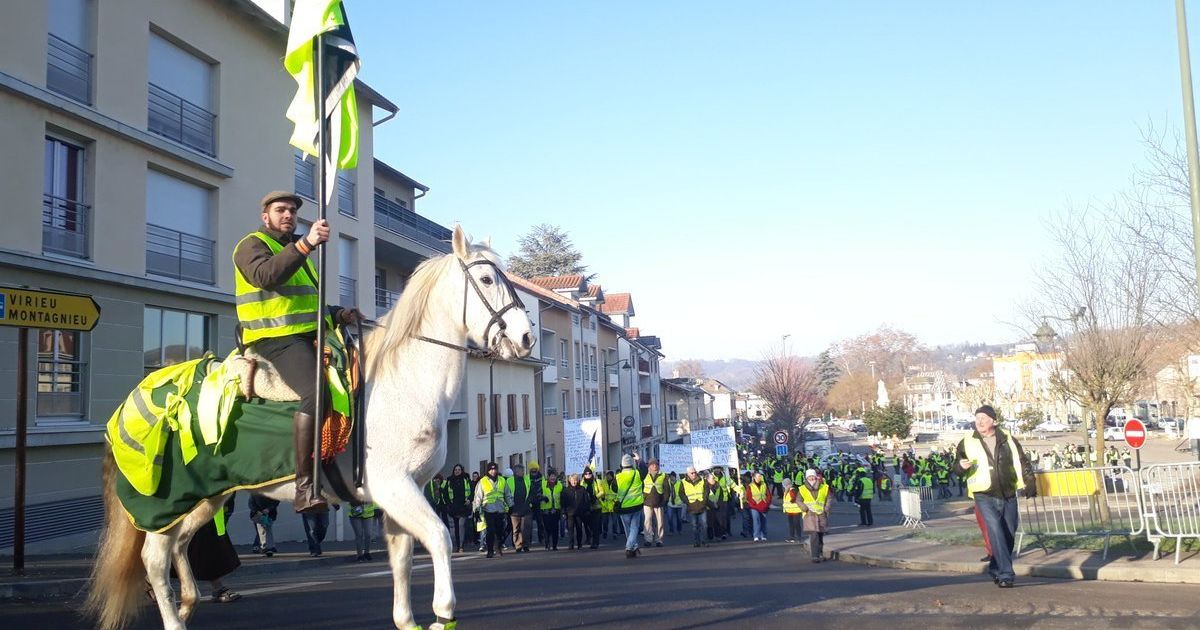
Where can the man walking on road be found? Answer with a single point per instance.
(654, 498)
(995, 468)
(493, 497)
(694, 493)
(863, 491)
(628, 504)
(758, 502)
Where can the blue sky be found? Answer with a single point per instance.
(747, 170)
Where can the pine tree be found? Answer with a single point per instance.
(828, 373)
(546, 250)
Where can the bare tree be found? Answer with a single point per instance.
(689, 368)
(790, 385)
(853, 393)
(886, 351)
(1107, 349)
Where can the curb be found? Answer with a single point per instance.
(1169, 574)
(66, 588)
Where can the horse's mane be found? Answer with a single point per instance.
(404, 321)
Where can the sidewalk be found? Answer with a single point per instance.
(64, 576)
(887, 544)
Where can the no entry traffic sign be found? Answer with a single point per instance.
(781, 437)
(1135, 433)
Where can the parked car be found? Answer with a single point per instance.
(1114, 434)
(1169, 423)
(1051, 427)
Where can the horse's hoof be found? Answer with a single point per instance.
(451, 624)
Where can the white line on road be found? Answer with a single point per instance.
(281, 587)
(415, 567)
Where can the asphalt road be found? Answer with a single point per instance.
(731, 585)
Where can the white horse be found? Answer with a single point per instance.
(415, 366)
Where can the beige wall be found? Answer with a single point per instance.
(558, 320)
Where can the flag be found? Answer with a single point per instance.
(311, 18)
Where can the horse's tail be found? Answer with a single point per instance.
(118, 575)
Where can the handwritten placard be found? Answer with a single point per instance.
(584, 444)
(714, 447)
(674, 458)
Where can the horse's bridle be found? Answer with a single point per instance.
(497, 315)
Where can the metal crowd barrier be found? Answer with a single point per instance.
(1100, 501)
(1171, 502)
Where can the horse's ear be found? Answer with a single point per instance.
(487, 242)
(461, 245)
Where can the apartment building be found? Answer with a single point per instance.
(161, 125)
(687, 408)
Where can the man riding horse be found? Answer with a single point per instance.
(277, 305)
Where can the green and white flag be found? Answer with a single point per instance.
(311, 18)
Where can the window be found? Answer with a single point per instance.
(65, 217)
(68, 60)
(578, 365)
(345, 193)
(525, 411)
(595, 404)
(496, 426)
(562, 355)
(515, 460)
(305, 174)
(348, 264)
(575, 319)
(170, 337)
(673, 411)
(183, 250)
(60, 373)
(180, 104)
(483, 464)
(579, 405)
(566, 405)
(482, 414)
(512, 412)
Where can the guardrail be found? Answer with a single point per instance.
(1100, 501)
(1171, 503)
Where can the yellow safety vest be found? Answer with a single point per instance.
(676, 499)
(493, 492)
(604, 495)
(627, 482)
(289, 309)
(552, 495)
(817, 505)
(979, 478)
(657, 483)
(759, 493)
(789, 502)
(868, 488)
(693, 491)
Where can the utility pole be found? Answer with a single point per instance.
(1189, 122)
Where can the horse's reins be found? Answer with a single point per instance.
(497, 318)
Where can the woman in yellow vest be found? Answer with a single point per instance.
(815, 503)
(360, 519)
(791, 509)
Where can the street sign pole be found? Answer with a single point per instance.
(22, 432)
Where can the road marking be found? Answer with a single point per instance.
(281, 587)
(415, 567)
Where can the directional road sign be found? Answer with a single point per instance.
(47, 309)
(781, 450)
(781, 437)
(1135, 433)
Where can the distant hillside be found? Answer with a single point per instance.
(736, 373)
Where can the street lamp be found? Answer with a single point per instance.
(624, 366)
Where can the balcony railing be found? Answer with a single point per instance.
(177, 255)
(347, 291)
(181, 120)
(395, 218)
(306, 183)
(69, 70)
(550, 411)
(345, 195)
(385, 300)
(65, 226)
(644, 400)
(562, 363)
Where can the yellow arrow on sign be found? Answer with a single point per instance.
(47, 309)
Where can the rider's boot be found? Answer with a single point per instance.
(305, 426)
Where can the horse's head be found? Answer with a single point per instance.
(493, 313)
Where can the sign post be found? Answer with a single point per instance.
(781, 437)
(25, 309)
(1135, 437)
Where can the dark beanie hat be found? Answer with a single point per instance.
(987, 410)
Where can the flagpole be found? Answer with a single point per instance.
(322, 149)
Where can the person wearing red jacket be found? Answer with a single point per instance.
(758, 502)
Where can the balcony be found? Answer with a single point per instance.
(177, 255)
(305, 178)
(550, 374)
(179, 119)
(69, 70)
(65, 226)
(397, 219)
(347, 291)
(643, 367)
(550, 411)
(644, 400)
(385, 300)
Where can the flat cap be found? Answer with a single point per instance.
(278, 195)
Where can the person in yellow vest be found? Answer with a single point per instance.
(791, 509)
(654, 501)
(551, 510)
(627, 503)
(815, 503)
(360, 518)
(458, 495)
(995, 467)
(598, 490)
(276, 296)
(674, 505)
(695, 494)
(493, 497)
(757, 495)
(863, 491)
